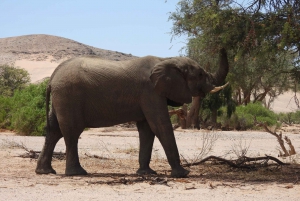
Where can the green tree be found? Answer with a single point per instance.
(11, 79)
(261, 40)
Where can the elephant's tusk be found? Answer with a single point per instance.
(216, 89)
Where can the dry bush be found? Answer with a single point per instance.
(240, 149)
(208, 141)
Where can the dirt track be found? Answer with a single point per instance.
(112, 172)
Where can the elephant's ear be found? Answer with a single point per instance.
(169, 81)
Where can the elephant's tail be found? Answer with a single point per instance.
(48, 91)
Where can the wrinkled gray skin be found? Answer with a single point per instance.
(92, 92)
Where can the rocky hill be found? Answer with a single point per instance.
(52, 48)
(41, 54)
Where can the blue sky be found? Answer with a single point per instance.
(139, 27)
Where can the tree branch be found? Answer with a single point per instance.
(279, 139)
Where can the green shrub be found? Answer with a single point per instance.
(25, 111)
(290, 117)
(5, 108)
(29, 110)
(295, 117)
(244, 116)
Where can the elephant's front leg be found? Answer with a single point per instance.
(158, 118)
(146, 143)
(166, 137)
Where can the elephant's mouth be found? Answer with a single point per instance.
(173, 103)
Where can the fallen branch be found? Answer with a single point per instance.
(267, 158)
(127, 181)
(179, 112)
(239, 163)
(98, 157)
(35, 155)
(56, 155)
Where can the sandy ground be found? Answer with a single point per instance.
(285, 102)
(110, 156)
(37, 69)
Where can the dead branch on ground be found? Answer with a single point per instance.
(242, 162)
(152, 180)
(31, 153)
(35, 155)
(56, 155)
(98, 157)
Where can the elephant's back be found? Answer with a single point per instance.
(85, 76)
(83, 69)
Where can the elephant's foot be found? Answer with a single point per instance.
(48, 170)
(142, 171)
(75, 171)
(179, 172)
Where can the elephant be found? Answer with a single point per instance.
(90, 92)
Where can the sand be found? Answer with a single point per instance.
(112, 175)
(37, 69)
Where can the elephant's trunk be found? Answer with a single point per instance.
(220, 76)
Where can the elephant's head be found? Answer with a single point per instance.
(180, 78)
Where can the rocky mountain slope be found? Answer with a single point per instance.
(51, 48)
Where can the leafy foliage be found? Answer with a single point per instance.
(24, 112)
(5, 108)
(289, 118)
(11, 79)
(244, 116)
(213, 102)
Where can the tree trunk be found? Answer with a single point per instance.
(239, 97)
(214, 115)
(192, 119)
(182, 120)
(262, 96)
(247, 96)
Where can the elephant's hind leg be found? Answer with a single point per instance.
(146, 143)
(71, 135)
(52, 137)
